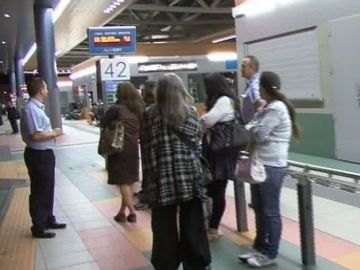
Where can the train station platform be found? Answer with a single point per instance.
(93, 240)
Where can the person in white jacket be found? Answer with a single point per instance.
(274, 126)
(221, 107)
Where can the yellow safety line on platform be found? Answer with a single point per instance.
(17, 247)
(13, 170)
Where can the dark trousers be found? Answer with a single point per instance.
(14, 125)
(41, 168)
(216, 191)
(171, 247)
(266, 204)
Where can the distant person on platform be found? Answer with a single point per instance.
(39, 157)
(252, 101)
(12, 115)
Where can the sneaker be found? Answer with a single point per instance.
(244, 257)
(260, 261)
(141, 206)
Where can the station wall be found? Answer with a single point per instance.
(319, 120)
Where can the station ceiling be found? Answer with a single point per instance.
(196, 22)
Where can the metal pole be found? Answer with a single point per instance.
(304, 191)
(240, 206)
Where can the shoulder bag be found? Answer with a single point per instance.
(229, 137)
(111, 139)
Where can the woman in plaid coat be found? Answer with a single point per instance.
(173, 179)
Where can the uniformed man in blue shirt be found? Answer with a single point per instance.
(39, 157)
(252, 101)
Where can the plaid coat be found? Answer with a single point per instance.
(171, 171)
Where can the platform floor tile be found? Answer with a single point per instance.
(15, 237)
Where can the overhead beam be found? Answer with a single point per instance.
(177, 9)
(198, 22)
(202, 3)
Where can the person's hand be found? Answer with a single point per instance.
(57, 132)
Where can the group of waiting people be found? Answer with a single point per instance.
(172, 136)
(173, 181)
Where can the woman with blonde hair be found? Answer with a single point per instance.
(173, 178)
(123, 167)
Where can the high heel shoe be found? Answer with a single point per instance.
(120, 217)
(131, 218)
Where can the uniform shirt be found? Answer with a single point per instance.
(251, 95)
(34, 119)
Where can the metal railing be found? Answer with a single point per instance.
(305, 174)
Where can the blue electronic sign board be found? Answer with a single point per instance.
(112, 40)
(231, 64)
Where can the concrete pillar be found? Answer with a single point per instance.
(19, 82)
(44, 32)
(12, 81)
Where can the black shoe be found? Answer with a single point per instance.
(43, 234)
(56, 225)
(141, 206)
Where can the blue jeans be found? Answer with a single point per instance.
(266, 204)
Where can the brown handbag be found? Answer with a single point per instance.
(111, 139)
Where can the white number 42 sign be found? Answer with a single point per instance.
(114, 69)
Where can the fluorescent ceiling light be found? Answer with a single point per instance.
(29, 53)
(159, 36)
(64, 84)
(166, 28)
(60, 9)
(221, 56)
(83, 72)
(223, 39)
(58, 52)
